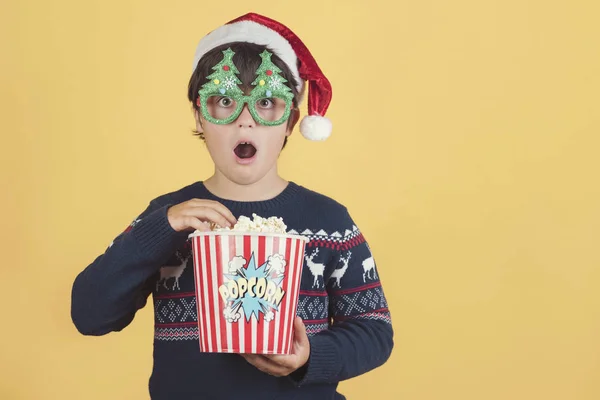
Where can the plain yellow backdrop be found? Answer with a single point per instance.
(465, 145)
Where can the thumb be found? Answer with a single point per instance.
(300, 331)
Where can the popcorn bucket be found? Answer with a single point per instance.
(247, 287)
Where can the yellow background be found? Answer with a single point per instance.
(465, 145)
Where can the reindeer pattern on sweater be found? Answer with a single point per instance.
(338, 270)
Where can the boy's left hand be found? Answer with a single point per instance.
(283, 365)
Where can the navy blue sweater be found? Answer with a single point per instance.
(341, 301)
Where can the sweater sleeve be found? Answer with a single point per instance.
(107, 294)
(360, 337)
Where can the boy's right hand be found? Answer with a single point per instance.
(199, 214)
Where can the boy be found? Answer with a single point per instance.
(247, 83)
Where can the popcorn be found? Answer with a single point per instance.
(232, 315)
(236, 265)
(276, 264)
(269, 316)
(259, 224)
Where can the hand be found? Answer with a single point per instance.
(283, 365)
(199, 214)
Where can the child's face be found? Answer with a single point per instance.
(244, 163)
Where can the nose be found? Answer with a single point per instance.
(245, 119)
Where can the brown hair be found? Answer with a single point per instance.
(247, 60)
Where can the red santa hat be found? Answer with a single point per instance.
(258, 29)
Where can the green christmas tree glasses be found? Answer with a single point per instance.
(222, 101)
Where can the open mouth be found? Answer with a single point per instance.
(245, 150)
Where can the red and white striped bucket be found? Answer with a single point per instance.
(247, 287)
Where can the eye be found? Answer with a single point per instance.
(225, 101)
(265, 103)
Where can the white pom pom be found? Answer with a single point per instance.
(314, 127)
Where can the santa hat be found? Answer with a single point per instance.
(257, 29)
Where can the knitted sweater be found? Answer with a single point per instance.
(341, 301)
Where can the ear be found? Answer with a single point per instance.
(199, 128)
(293, 120)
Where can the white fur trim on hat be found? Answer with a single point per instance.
(315, 127)
(251, 32)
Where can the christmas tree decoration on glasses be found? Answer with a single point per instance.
(221, 101)
(310, 82)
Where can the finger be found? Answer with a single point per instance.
(195, 223)
(300, 345)
(268, 366)
(223, 213)
(208, 214)
(300, 334)
(265, 365)
(281, 360)
(218, 207)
